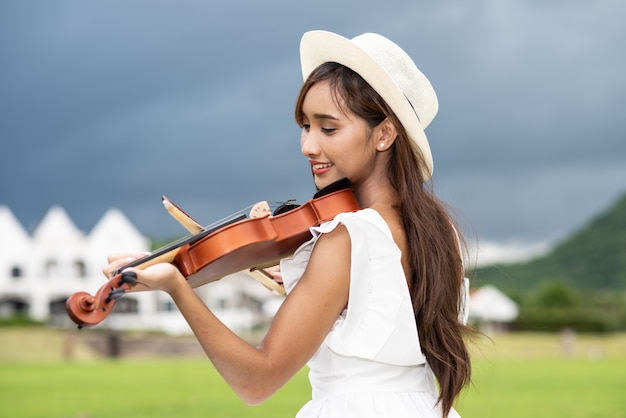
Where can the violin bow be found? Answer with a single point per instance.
(258, 210)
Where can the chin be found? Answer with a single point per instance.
(320, 183)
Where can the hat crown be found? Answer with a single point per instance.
(404, 73)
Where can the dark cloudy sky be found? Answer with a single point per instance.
(115, 103)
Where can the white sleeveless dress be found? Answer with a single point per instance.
(370, 364)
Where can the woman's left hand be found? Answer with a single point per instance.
(162, 276)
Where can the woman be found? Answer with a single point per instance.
(375, 300)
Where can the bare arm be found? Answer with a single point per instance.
(303, 321)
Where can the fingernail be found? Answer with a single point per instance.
(129, 277)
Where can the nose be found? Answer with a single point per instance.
(308, 144)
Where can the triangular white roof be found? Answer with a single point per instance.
(10, 227)
(490, 304)
(114, 232)
(57, 229)
(13, 237)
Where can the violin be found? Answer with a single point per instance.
(241, 243)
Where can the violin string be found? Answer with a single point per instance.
(224, 220)
(227, 218)
(245, 211)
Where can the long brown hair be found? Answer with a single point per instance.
(437, 271)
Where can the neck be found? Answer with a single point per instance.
(376, 193)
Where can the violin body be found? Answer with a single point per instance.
(259, 242)
(235, 246)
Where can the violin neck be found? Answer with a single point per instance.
(167, 253)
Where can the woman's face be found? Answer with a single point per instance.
(337, 142)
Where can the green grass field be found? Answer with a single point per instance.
(517, 375)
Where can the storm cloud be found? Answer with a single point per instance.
(113, 104)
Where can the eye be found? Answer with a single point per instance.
(306, 127)
(328, 131)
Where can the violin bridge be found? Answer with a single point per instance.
(260, 209)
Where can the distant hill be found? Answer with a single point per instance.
(593, 258)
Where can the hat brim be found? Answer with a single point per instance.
(318, 47)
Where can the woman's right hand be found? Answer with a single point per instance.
(275, 273)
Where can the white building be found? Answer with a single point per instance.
(491, 309)
(39, 272)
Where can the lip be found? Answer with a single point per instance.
(320, 167)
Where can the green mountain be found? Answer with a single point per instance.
(593, 258)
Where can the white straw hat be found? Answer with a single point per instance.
(385, 67)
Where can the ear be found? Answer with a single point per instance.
(386, 134)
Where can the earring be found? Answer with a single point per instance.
(381, 145)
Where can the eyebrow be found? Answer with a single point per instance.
(324, 116)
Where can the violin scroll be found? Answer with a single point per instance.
(88, 311)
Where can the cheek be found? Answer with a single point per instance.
(356, 162)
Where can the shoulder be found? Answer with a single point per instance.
(365, 233)
(352, 221)
(333, 245)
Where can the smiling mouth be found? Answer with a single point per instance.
(321, 166)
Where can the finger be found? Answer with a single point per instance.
(116, 264)
(133, 256)
(156, 277)
(118, 260)
(277, 276)
(275, 273)
(273, 269)
(131, 277)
